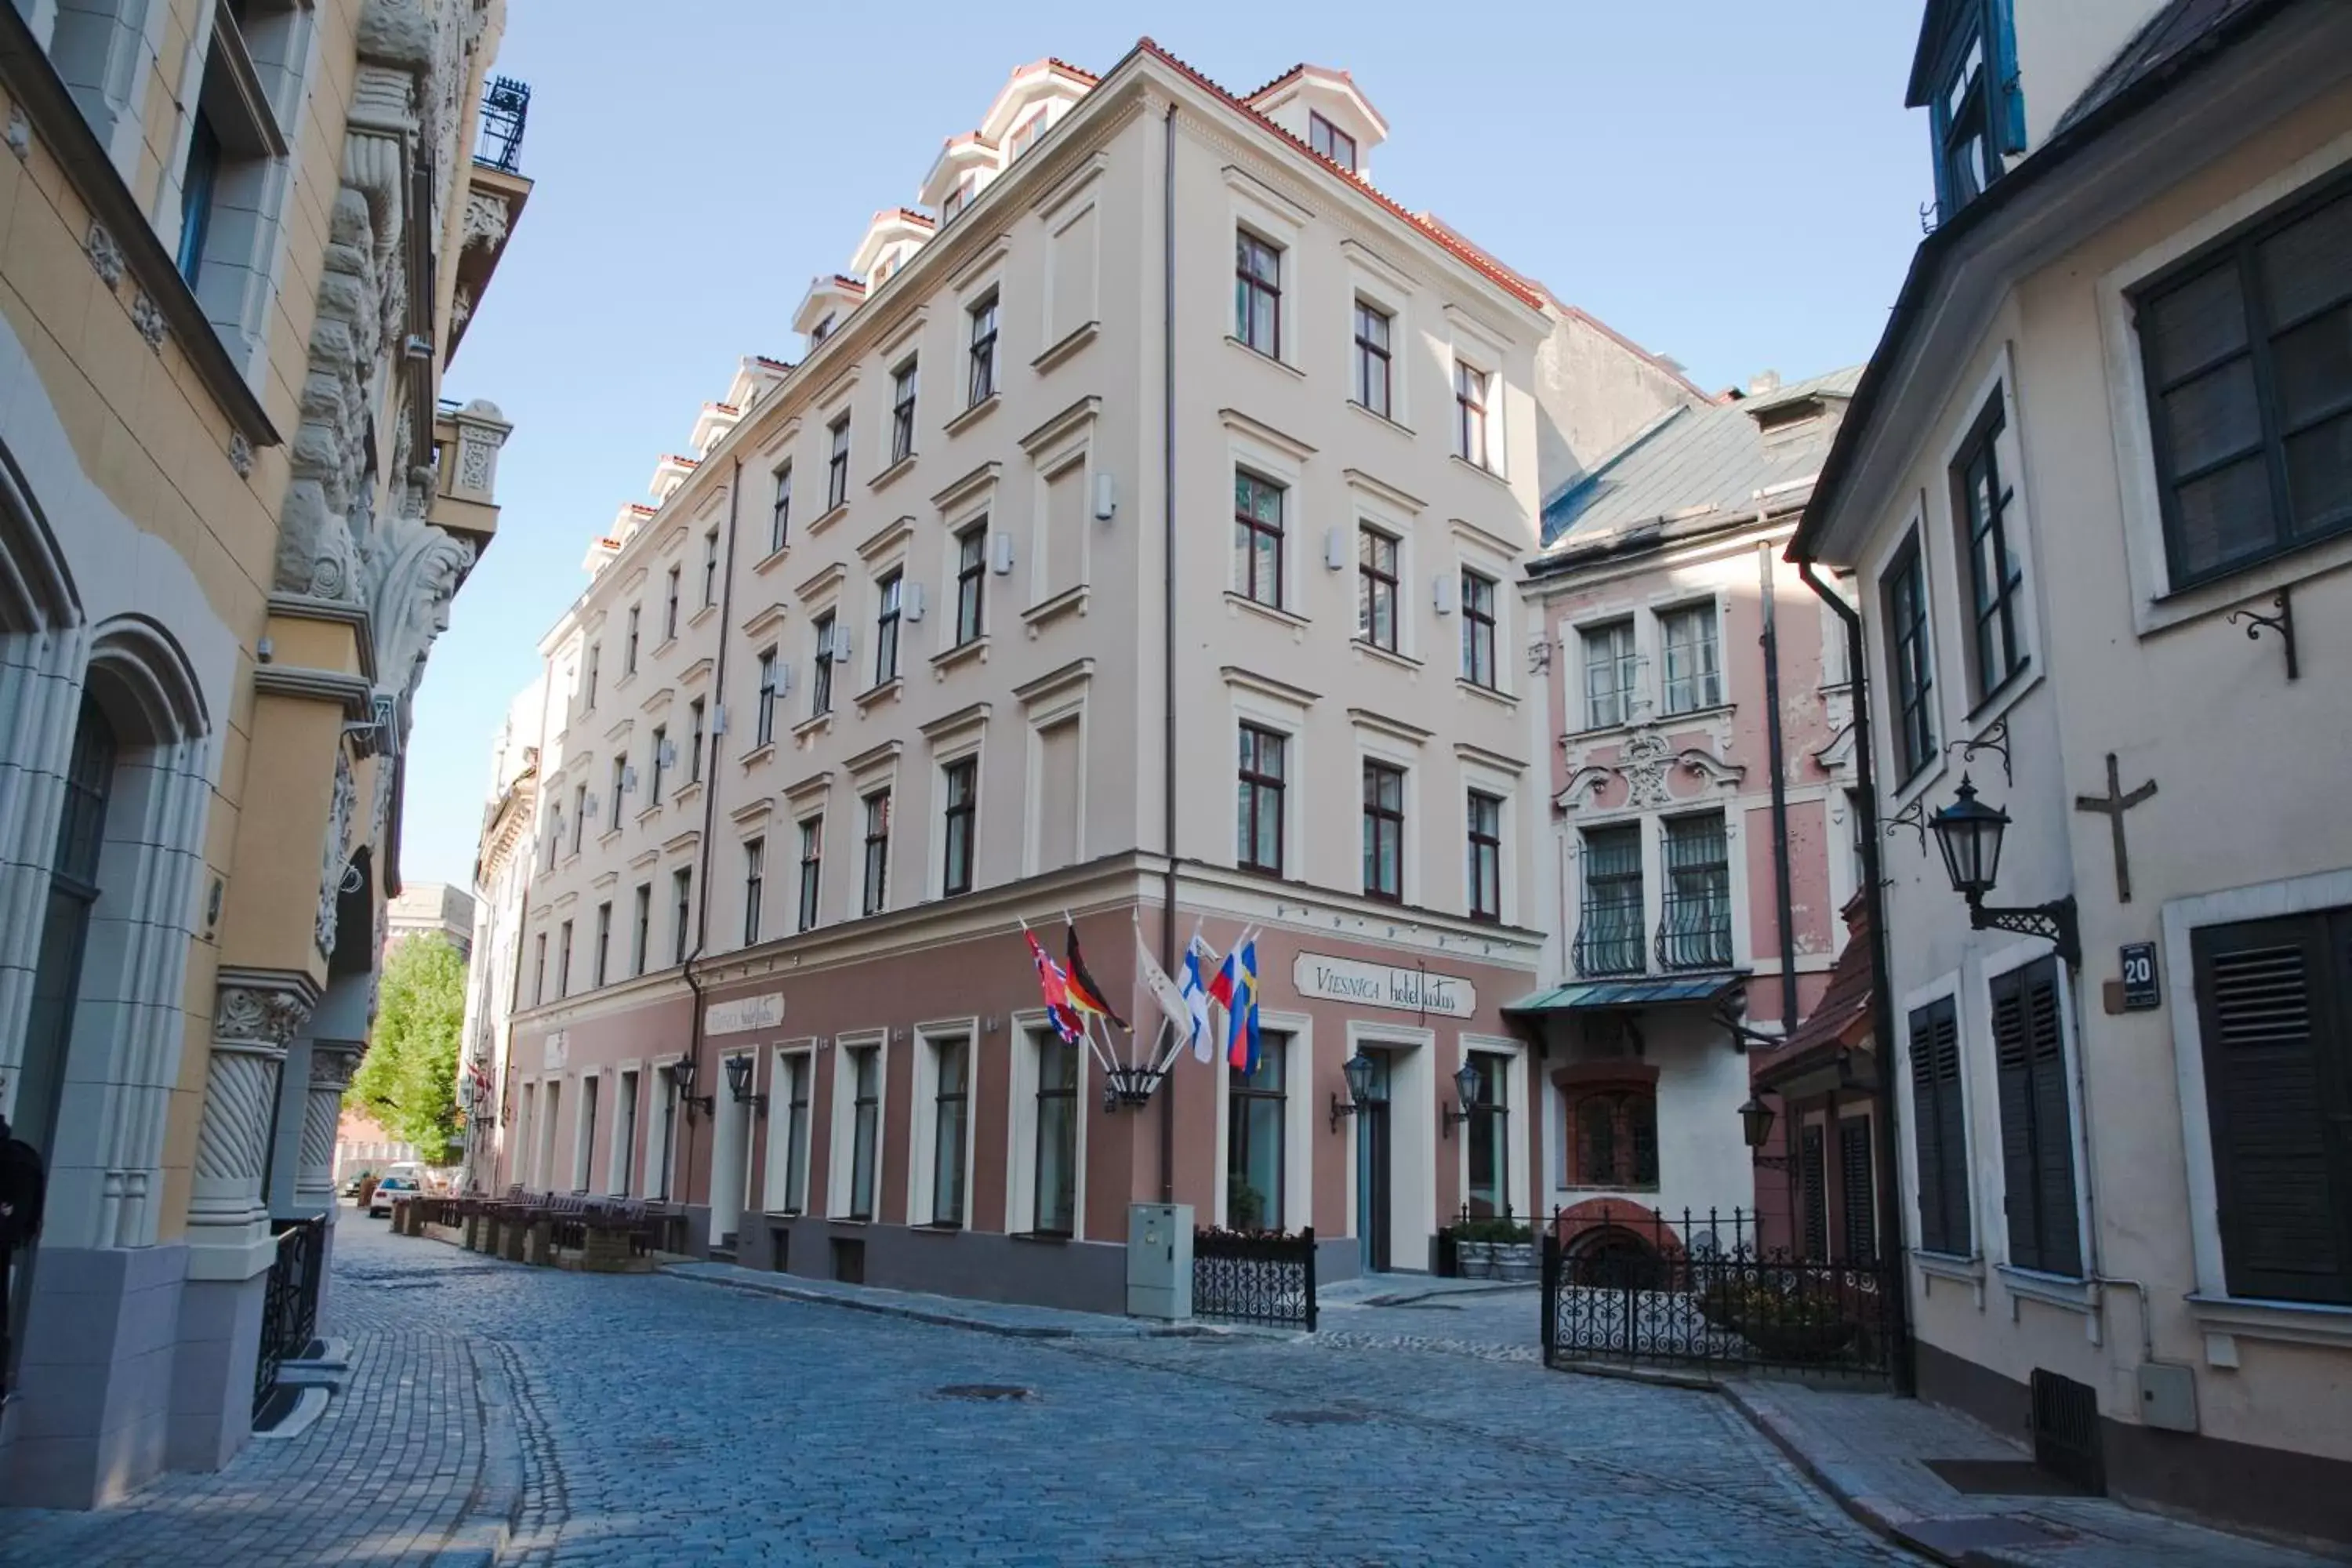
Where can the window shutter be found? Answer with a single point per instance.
(1809, 1177)
(2054, 1134)
(2014, 1072)
(1857, 1188)
(1939, 1129)
(2271, 1005)
(2008, 107)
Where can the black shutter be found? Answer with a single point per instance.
(2271, 1000)
(2037, 1135)
(1857, 1188)
(2053, 1128)
(1810, 1180)
(1939, 1129)
(2014, 1072)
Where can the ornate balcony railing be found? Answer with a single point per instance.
(506, 104)
(1608, 946)
(1694, 933)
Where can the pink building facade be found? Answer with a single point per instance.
(1683, 898)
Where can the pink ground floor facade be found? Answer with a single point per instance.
(890, 1105)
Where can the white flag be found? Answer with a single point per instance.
(1164, 989)
(1196, 999)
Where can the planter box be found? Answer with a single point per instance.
(1514, 1260)
(1475, 1259)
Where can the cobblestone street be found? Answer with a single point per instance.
(655, 1419)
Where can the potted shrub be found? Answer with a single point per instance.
(1473, 1250)
(1245, 1210)
(1514, 1251)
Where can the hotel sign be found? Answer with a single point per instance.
(556, 1050)
(744, 1015)
(1382, 985)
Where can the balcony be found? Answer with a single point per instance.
(466, 442)
(495, 193)
(1694, 933)
(1608, 943)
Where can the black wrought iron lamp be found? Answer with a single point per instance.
(1467, 1082)
(1358, 1070)
(681, 1075)
(1756, 1119)
(738, 1084)
(1969, 833)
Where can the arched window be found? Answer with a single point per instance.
(1613, 1138)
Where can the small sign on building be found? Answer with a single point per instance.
(1383, 985)
(2141, 993)
(744, 1014)
(558, 1048)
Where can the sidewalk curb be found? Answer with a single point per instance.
(759, 1286)
(1885, 1519)
(483, 1531)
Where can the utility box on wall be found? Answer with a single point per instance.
(1160, 1260)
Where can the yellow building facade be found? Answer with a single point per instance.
(239, 242)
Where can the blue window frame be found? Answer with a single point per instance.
(1964, 73)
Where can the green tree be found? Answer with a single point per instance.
(409, 1078)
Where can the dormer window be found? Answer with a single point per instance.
(822, 331)
(1026, 134)
(1966, 76)
(958, 199)
(1330, 142)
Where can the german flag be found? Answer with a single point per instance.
(1085, 994)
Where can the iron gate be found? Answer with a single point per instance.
(1255, 1277)
(289, 1306)
(1635, 1288)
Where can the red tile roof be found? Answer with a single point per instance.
(1478, 261)
(689, 462)
(779, 363)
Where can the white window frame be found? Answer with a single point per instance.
(967, 744)
(1373, 281)
(1021, 1128)
(1277, 221)
(2072, 1293)
(1638, 704)
(659, 1174)
(1711, 604)
(1521, 1108)
(2223, 1317)
(775, 1170)
(842, 1154)
(1959, 610)
(583, 1131)
(1258, 707)
(1489, 780)
(614, 1184)
(1377, 746)
(2154, 607)
(1278, 459)
(922, 1156)
(1298, 1136)
(1048, 707)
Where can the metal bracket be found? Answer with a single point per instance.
(2054, 921)
(1994, 739)
(2282, 623)
(1914, 817)
(1129, 1086)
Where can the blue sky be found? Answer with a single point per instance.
(1737, 185)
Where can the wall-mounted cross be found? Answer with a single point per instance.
(2113, 805)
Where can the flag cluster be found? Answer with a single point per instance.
(1232, 985)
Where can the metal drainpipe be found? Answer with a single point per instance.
(1787, 904)
(1881, 1001)
(702, 853)
(1168, 611)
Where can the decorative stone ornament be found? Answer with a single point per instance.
(1647, 762)
(258, 1014)
(240, 454)
(336, 853)
(487, 217)
(148, 317)
(105, 255)
(19, 133)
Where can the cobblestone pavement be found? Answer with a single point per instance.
(659, 1419)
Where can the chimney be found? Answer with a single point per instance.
(1767, 382)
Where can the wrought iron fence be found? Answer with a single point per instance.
(1634, 1287)
(1255, 1277)
(506, 104)
(290, 1304)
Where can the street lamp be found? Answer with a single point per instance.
(1756, 1119)
(738, 1084)
(681, 1075)
(1969, 833)
(1358, 1070)
(1466, 1082)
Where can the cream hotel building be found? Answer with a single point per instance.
(240, 241)
(1135, 537)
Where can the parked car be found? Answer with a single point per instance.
(397, 1185)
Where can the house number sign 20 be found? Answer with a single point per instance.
(2140, 994)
